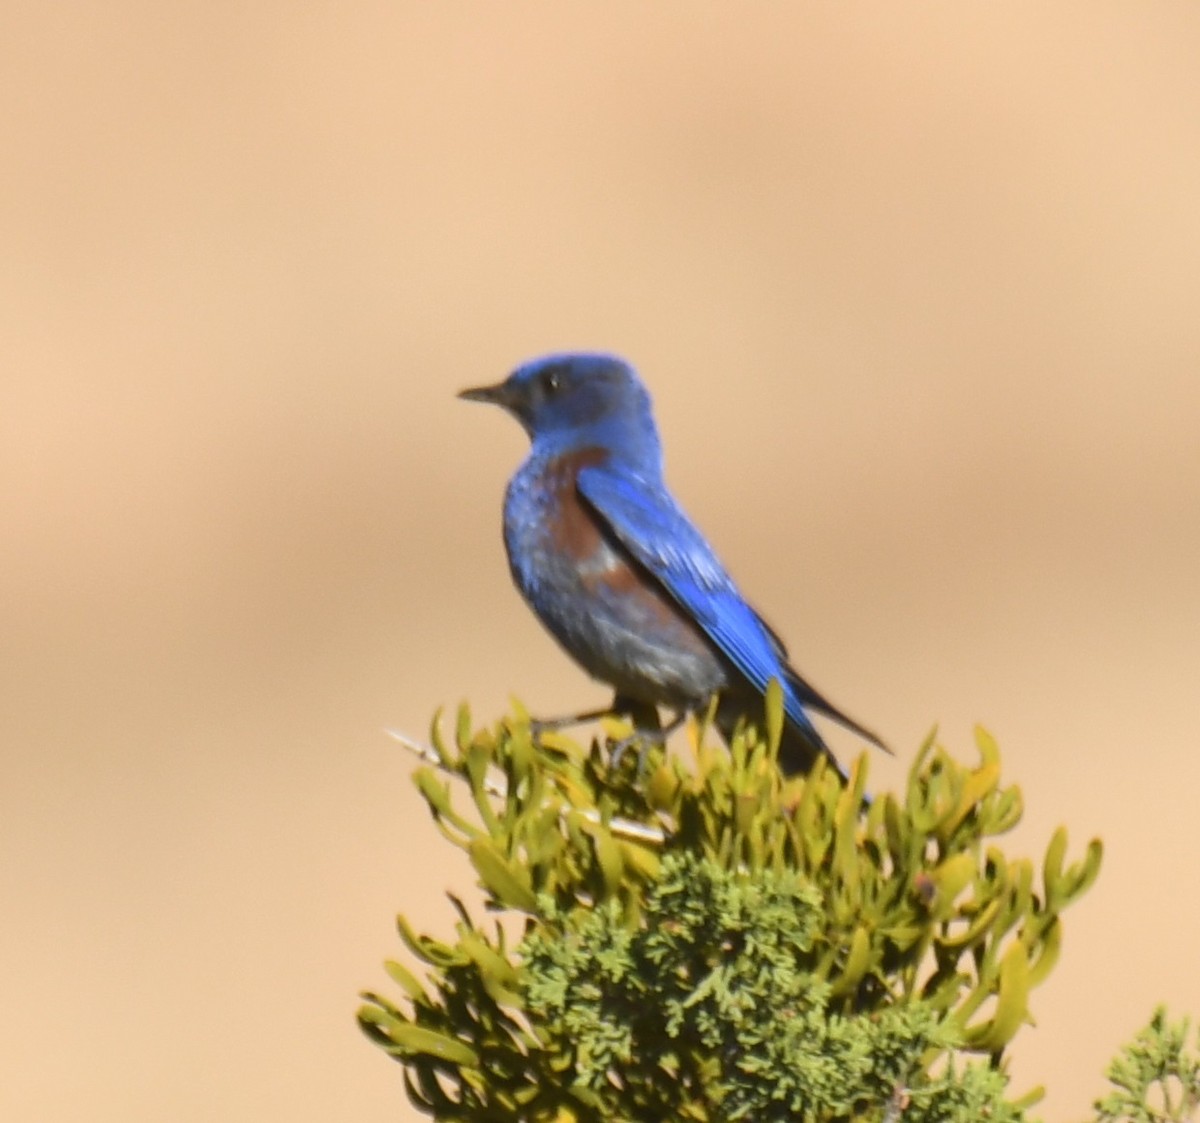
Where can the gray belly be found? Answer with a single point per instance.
(637, 641)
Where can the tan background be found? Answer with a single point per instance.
(916, 291)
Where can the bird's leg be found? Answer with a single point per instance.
(643, 715)
(645, 735)
(545, 724)
(648, 730)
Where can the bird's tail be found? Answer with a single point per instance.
(811, 699)
(800, 746)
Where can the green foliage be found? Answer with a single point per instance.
(706, 1003)
(1156, 1079)
(711, 941)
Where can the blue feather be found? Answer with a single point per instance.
(649, 523)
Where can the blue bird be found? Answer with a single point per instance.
(616, 571)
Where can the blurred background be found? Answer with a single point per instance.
(915, 291)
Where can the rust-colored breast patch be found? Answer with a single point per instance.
(573, 528)
(653, 605)
(604, 565)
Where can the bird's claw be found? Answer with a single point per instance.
(645, 740)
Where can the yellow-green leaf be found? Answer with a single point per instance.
(774, 714)
(462, 728)
(1052, 864)
(858, 959)
(407, 980)
(410, 1040)
(1012, 994)
(1051, 945)
(950, 879)
(506, 882)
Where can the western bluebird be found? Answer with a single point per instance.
(616, 571)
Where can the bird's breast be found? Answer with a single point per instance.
(604, 608)
(548, 531)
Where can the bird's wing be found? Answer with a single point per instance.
(649, 523)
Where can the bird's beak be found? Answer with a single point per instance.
(497, 395)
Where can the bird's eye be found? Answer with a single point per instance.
(551, 383)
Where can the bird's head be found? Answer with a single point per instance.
(575, 400)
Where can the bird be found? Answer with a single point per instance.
(620, 576)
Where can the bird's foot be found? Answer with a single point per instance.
(645, 739)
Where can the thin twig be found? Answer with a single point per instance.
(496, 787)
(896, 1104)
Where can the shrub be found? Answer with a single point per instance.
(703, 938)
